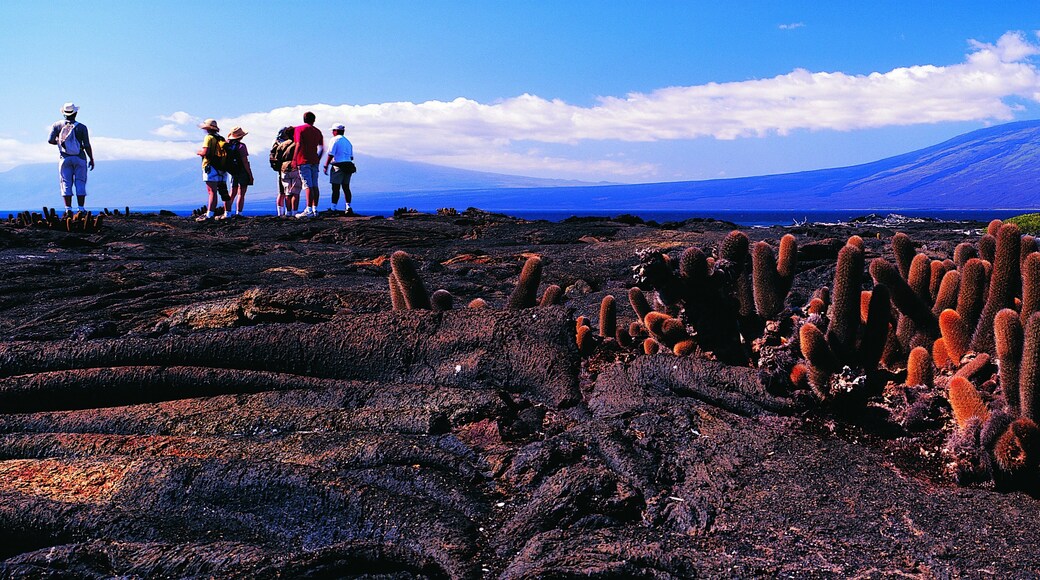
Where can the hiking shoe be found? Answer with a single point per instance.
(203, 218)
(304, 213)
(222, 216)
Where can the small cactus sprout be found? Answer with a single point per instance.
(636, 329)
(919, 367)
(442, 300)
(396, 294)
(477, 303)
(763, 270)
(987, 247)
(1030, 285)
(876, 327)
(844, 318)
(938, 271)
(972, 294)
(693, 265)
(940, 356)
(946, 297)
(623, 338)
(639, 303)
(1017, 451)
(954, 333)
(581, 321)
(607, 317)
(903, 248)
(651, 346)
(800, 376)
(586, 341)
(787, 262)
(1029, 370)
(822, 363)
(673, 331)
(994, 227)
(553, 295)
(966, 402)
(684, 347)
(816, 306)
(411, 285)
(527, 285)
(1003, 286)
(1007, 332)
(655, 324)
(964, 252)
(920, 277)
(864, 305)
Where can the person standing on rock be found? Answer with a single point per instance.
(341, 156)
(309, 144)
(240, 172)
(214, 146)
(284, 134)
(288, 173)
(73, 141)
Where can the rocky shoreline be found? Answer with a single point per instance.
(241, 399)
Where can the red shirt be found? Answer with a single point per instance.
(308, 140)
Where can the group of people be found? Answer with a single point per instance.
(296, 155)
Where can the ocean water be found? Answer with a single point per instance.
(743, 218)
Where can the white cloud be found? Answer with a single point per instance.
(791, 26)
(180, 118)
(499, 136)
(170, 131)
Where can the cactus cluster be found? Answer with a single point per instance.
(80, 222)
(717, 302)
(847, 328)
(407, 291)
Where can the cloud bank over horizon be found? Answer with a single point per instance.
(510, 135)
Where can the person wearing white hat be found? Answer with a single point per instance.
(76, 156)
(341, 156)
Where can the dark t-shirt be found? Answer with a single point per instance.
(308, 140)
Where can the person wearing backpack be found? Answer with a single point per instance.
(214, 155)
(289, 173)
(73, 141)
(239, 170)
(275, 158)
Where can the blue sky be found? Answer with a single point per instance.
(615, 91)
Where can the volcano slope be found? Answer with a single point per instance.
(239, 399)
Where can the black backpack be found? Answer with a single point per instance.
(233, 162)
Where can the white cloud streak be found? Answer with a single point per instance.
(791, 26)
(499, 136)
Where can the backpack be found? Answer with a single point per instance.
(274, 158)
(68, 142)
(234, 158)
(218, 155)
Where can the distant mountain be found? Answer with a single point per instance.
(993, 168)
(178, 184)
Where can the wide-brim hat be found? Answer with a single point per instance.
(338, 127)
(237, 133)
(209, 125)
(69, 109)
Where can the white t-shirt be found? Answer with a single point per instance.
(341, 150)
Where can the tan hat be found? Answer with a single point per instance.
(237, 133)
(209, 125)
(69, 109)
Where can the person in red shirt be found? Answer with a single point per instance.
(309, 145)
